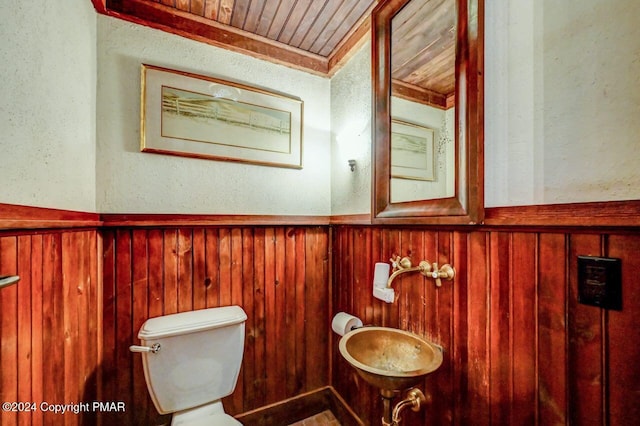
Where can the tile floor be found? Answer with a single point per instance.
(326, 418)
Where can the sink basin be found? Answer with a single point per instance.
(389, 358)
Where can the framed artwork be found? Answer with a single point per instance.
(192, 115)
(412, 154)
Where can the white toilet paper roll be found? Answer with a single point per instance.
(343, 323)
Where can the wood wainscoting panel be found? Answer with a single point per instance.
(48, 327)
(278, 275)
(519, 348)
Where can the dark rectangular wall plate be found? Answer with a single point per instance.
(600, 282)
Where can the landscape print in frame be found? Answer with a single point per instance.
(192, 115)
(412, 155)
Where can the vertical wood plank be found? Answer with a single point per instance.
(53, 327)
(170, 266)
(405, 285)
(185, 271)
(9, 329)
(442, 328)
(524, 330)
(140, 313)
(236, 298)
(124, 324)
(623, 336)
(108, 366)
(300, 310)
(69, 304)
(362, 292)
(391, 244)
(270, 313)
(259, 303)
(199, 269)
(418, 285)
(280, 366)
(552, 329)
(459, 350)
(478, 293)
(377, 255)
(585, 359)
(24, 292)
(155, 287)
(91, 326)
(225, 267)
(37, 358)
(501, 327)
(212, 267)
(248, 298)
(317, 307)
(290, 288)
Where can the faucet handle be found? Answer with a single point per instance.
(446, 271)
(395, 262)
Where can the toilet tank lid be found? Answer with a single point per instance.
(191, 322)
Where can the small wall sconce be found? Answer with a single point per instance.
(352, 164)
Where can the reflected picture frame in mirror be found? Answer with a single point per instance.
(466, 206)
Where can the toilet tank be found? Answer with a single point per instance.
(199, 358)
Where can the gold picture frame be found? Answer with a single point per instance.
(192, 115)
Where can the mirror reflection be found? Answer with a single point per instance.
(423, 143)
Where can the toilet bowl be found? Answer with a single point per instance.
(191, 361)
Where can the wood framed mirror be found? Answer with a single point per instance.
(441, 163)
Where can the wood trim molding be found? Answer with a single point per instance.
(608, 213)
(350, 219)
(420, 95)
(621, 214)
(158, 220)
(14, 216)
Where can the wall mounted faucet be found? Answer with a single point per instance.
(401, 266)
(382, 281)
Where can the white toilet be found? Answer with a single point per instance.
(191, 361)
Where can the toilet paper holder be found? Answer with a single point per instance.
(343, 323)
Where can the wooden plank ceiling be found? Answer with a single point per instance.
(423, 51)
(313, 35)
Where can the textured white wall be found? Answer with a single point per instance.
(135, 182)
(562, 87)
(47, 113)
(351, 105)
(562, 101)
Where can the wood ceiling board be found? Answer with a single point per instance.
(225, 11)
(358, 20)
(319, 29)
(264, 21)
(184, 5)
(240, 11)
